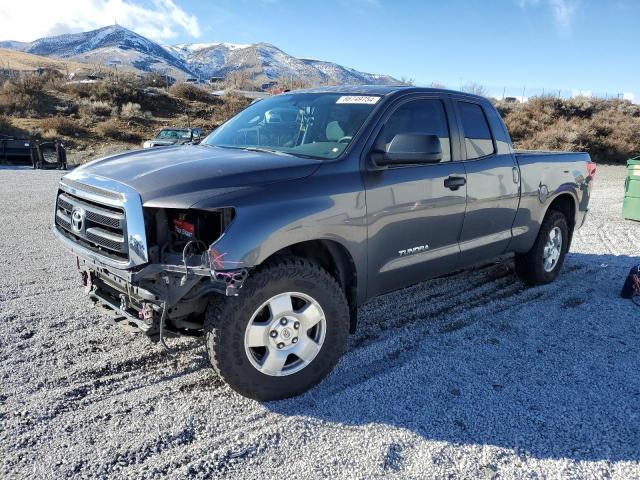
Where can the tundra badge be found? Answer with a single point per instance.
(414, 250)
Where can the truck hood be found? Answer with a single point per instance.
(178, 177)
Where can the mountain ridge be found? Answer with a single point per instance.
(116, 45)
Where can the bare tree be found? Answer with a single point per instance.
(407, 81)
(437, 85)
(475, 89)
(239, 80)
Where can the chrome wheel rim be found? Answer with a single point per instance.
(552, 249)
(285, 334)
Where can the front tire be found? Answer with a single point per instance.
(283, 334)
(543, 262)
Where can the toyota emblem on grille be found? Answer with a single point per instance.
(77, 219)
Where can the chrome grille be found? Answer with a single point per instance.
(99, 227)
(92, 189)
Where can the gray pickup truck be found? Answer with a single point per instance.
(268, 235)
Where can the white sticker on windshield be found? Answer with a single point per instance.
(361, 99)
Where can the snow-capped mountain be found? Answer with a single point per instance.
(262, 61)
(108, 45)
(265, 61)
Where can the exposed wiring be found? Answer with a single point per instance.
(184, 253)
(163, 318)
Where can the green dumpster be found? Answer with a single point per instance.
(631, 205)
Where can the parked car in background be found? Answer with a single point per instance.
(174, 136)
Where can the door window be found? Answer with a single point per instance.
(477, 135)
(418, 116)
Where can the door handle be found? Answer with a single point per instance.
(516, 175)
(454, 183)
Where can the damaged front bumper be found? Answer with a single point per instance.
(142, 299)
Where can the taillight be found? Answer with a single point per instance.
(591, 168)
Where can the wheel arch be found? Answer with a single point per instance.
(336, 259)
(566, 204)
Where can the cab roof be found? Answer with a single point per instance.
(383, 90)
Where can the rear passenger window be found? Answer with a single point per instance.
(419, 116)
(477, 135)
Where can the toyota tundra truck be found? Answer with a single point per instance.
(267, 236)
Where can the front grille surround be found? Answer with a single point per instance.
(112, 230)
(103, 228)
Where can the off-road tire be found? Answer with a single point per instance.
(530, 265)
(226, 320)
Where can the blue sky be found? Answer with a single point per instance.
(583, 45)
(588, 45)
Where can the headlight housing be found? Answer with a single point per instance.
(169, 229)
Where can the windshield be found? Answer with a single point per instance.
(182, 134)
(319, 125)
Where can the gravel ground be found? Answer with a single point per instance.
(468, 376)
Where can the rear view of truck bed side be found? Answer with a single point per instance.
(558, 178)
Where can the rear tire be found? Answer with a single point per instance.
(286, 298)
(543, 262)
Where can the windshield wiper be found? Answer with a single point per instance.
(268, 150)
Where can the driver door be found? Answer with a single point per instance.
(415, 213)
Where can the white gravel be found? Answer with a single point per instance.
(468, 376)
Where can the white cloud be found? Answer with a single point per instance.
(157, 19)
(563, 11)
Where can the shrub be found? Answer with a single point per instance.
(115, 130)
(26, 85)
(21, 94)
(62, 125)
(153, 79)
(95, 108)
(50, 134)
(188, 91)
(608, 129)
(232, 103)
(5, 124)
(114, 91)
(131, 110)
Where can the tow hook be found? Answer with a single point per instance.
(146, 313)
(88, 281)
(124, 304)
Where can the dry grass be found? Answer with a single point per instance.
(117, 111)
(27, 61)
(117, 130)
(95, 108)
(188, 91)
(233, 103)
(132, 110)
(62, 125)
(608, 129)
(21, 95)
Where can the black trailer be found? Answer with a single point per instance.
(39, 155)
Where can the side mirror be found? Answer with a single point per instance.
(410, 149)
